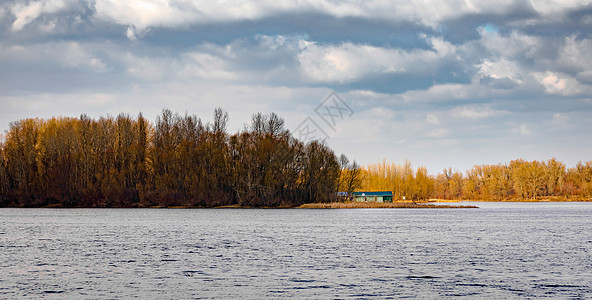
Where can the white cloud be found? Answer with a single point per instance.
(349, 62)
(381, 113)
(144, 14)
(502, 68)
(517, 59)
(562, 84)
(560, 120)
(575, 55)
(56, 104)
(149, 68)
(75, 55)
(473, 112)
(439, 92)
(367, 126)
(548, 7)
(26, 13)
(511, 46)
(523, 130)
(438, 133)
(206, 66)
(63, 54)
(554, 83)
(48, 27)
(130, 33)
(509, 55)
(560, 117)
(432, 119)
(293, 43)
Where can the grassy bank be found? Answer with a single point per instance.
(380, 205)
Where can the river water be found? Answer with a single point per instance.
(501, 250)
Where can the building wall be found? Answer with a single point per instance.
(368, 199)
(373, 199)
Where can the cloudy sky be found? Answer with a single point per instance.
(441, 83)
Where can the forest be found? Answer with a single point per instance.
(517, 180)
(179, 160)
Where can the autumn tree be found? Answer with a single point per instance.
(141, 178)
(267, 163)
(583, 175)
(57, 156)
(21, 161)
(488, 182)
(400, 179)
(215, 162)
(528, 178)
(423, 185)
(449, 184)
(320, 173)
(4, 183)
(555, 174)
(350, 176)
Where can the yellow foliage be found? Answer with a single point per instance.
(398, 178)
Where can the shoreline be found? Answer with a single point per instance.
(430, 203)
(354, 205)
(545, 199)
(330, 205)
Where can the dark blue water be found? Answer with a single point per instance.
(502, 250)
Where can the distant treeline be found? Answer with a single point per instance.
(177, 161)
(181, 161)
(517, 180)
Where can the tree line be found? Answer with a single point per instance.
(401, 179)
(516, 180)
(176, 161)
(182, 161)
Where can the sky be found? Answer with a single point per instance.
(440, 83)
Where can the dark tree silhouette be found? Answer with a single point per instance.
(127, 162)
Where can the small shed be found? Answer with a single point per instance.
(386, 196)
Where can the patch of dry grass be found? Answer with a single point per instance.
(380, 205)
(539, 199)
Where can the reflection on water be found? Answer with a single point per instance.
(500, 250)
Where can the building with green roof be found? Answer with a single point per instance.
(373, 196)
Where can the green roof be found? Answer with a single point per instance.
(372, 194)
